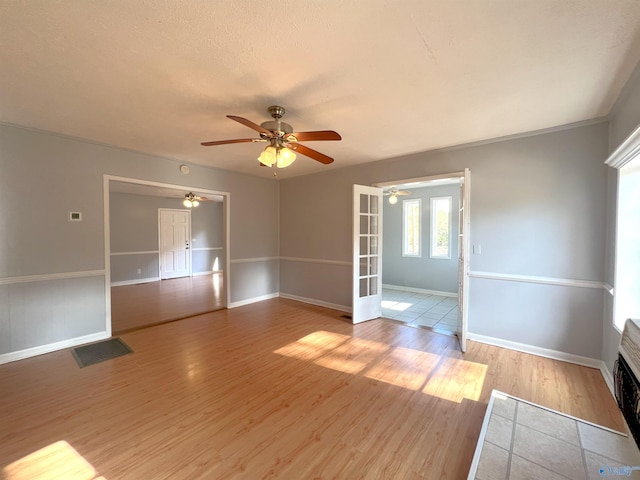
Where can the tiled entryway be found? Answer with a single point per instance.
(524, 441)
(421, 309)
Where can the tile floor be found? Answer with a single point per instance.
(420, 309)
(523, 441)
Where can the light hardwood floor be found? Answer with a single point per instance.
(146, 304)
(276, 389)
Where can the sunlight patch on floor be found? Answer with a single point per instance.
(313, 345)
(399, 306)
(55, 461)
(456, 379)
(404, 367)
(441, 376)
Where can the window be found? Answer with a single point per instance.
(411, 228)
(440, 227)
(627, 269)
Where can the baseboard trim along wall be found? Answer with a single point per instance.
(135, 281)
(420, 290)
(208, 272)
(540, 351)
(50, 276)
(248, 301)
(319, 303)
(548, 353)
(566, 282)
(311, 301)
(51, 347)
(608, 378)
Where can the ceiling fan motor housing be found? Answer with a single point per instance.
(281, 128)
(276, 126)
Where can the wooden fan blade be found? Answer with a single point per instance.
(223, 142)
(250, 124)
(311, 153)
(317, 136)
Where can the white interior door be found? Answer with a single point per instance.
(175, 236)
(367, 253)
(463, 260)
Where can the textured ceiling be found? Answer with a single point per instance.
(392, 77)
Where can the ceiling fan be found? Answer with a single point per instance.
(283, 142)
(192, 200)
(393, 194)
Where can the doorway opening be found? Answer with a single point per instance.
(151, 279)
(425, 238)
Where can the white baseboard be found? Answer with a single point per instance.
(135, 281)
(547, 353)
(420, 290)
(320, 303)
(51, 347)
(539, 351)
(608, 378)
(249, 301)
(208, 272)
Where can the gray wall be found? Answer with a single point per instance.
(427, 273)
(624, 119)
(537, 209)
(134, 228)
(43, 177)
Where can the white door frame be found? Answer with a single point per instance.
(181, 210)
(226, 274)
(466, 238)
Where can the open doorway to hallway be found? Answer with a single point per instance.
(141, 290)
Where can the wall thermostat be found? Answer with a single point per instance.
(75, 216)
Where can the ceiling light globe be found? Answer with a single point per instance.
(285, 157)
(268, 156)
(393, 199)
(195, 203)
(187, 203)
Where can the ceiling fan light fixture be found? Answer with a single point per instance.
(190, 200)
(268, 156)
(393, 199)
(285, 157)
(282, 157)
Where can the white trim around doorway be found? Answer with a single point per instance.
(465, 178)
(107, 234)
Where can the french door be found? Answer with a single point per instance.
(367, 253)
